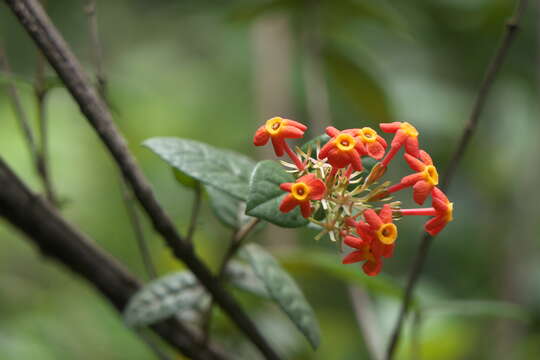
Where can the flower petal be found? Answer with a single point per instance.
(424, 156)
(279, 147)
(288, 203)
(291, 132)
(355, 242)
(286, 186)
(353, 257)
(421, 191)
(375, 150)
(323, 153)
(399, 139)
(296, 124)
(386, 214)
(305, 208)
(372, 219)
(355, 160)
(412, 179)
(332, 131)
(372, 268)
(261, 136)
(390, 127)
(412, 147)
(414, 163)
(435, 225)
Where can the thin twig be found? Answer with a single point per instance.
(127, 196)
(470, 127)
(40, 92)
(97, 50)
(194, 213)
(138, 230)
(38, 25)
(20, 113)
(37, 156)
(237, 240)
(367, 322)
(59, 240)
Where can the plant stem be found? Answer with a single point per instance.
(470, 127)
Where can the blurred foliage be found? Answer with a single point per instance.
(187, 69)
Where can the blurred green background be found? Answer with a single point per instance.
(214, 71)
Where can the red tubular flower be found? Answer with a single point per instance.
(306, 188)
(423, 181)
(278, 129)
(381, 228)
(406, 135)
(442, 211)
(374, 144)
(343, 149)
(377, 239)
(373, 263)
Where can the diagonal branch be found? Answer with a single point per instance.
(46, 36)
(57, 239)
(487, 83)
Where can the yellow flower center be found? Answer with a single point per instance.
(368, 135)
(300, 191)
(409, 129)
(450, 212)
(431, 175)
(274, 125)
(345, 142)
(387, 233)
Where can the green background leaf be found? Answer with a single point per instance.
(163, 298)
(226, 170)
(243, 277)
(229, 210)
(284, 291)
(265, 195)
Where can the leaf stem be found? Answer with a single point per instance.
(194, 213)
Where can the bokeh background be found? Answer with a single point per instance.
(213, 71)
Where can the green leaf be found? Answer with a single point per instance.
(284, 291)
(184, 179)
(229, 210)
(243, 277)
(265, 195)
(163, 298)
(225, 170)
(316, 262)
(359, 86)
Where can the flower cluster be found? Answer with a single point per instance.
(335, 191)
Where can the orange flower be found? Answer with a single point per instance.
(406, 135)
(423, 181)
(442, 211)
(372, 265)
(343, 149)
(279, 129)
(306, 188)
(374, 144)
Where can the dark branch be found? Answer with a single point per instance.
(468, 132)
(59, 240)
(46, 36)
